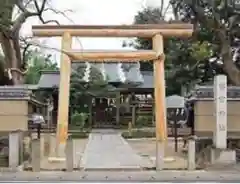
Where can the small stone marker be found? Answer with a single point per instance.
(191, 153)
(36, 155)
(69, 155)
(14, 149)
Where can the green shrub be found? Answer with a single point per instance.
(143, 120)
(79, 119)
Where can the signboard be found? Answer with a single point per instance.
(176, 115)
(235, 4)
(175, 101)
(220, 99)
(176, 112)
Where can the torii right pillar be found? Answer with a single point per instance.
(159, 95)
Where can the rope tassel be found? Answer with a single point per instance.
(9, 74)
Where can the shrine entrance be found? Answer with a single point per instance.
(156, 32)
(104, 113)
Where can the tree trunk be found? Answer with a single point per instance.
(12, 57)
(228, 64)
(230, 67)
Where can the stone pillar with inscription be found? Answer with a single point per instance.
(220, 154)
(220, 99)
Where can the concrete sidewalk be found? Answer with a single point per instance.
(140, 176)
(109, 151)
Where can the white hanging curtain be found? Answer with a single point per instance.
(103, 71)
(139, 71)
(121, 73)
(87, 72)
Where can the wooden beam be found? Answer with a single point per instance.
(146, 30)
(63, 98)
(165, 25)
(160, 109)
(112, 56)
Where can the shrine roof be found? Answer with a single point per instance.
(126, 75)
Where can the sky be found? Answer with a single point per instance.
(92, 12)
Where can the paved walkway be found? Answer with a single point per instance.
(106, 149)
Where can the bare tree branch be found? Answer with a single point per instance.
(161, 7)
(166, 10)
(63, 13)
(14, 53)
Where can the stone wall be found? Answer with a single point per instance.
(204, 115)
(13, 115)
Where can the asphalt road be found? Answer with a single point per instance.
(122, 176)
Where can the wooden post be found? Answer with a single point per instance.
(159, 94)
(117, 108)
(133, 115)
(130, 129)
(90, 119)
(63, 98)
(153, 110)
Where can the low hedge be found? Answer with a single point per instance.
(79, 135)
(139, 134)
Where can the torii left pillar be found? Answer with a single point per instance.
(159, 95)
(63, 106)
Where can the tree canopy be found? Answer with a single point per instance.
(37, 62)
(217, 23)
(197, 59)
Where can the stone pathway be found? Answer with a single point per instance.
(106, 149)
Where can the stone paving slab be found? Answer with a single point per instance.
(110, 151)
(140, 176)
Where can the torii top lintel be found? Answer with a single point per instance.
(143, 30)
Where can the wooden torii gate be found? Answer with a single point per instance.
(156, 32)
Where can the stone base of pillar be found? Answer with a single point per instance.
(56, 159)
(59, 155)
(56, 156)
(159, 155)
(223, 156)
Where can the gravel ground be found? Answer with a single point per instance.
(147, 148)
